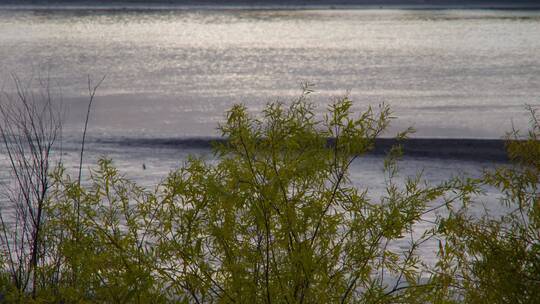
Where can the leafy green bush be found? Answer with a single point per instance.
(275, 218)
(104, 250)
(497, 260)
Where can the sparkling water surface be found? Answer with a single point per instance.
(450, 73)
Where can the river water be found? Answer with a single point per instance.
(173, 74)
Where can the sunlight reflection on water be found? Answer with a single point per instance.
(451, 73)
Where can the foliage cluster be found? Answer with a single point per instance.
(276, 218)
(496, 259)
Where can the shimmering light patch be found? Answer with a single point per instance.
(174, 73)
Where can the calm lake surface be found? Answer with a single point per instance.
(173, 74)
(450, 73)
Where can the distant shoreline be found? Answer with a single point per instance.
(440, 148)
(272, 4)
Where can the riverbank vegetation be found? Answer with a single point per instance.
(275, 219)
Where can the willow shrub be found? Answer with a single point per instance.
(496, 259)
(277, 219)
(103, 253)
(274, 218)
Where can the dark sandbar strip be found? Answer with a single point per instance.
(441, 148)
